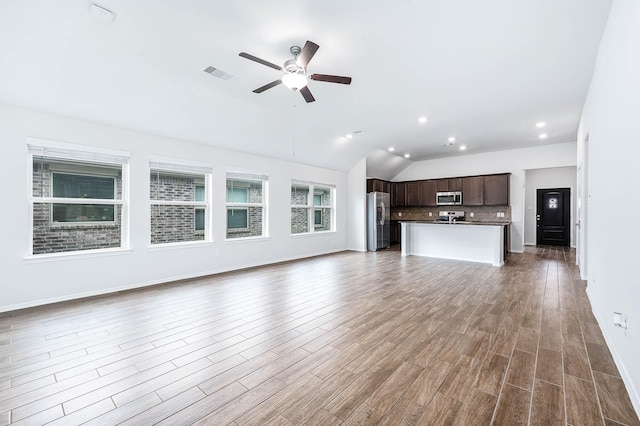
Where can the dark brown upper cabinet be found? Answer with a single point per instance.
(378, 185)
(496, 190)
(428, 192)
(400, 194)
(485, 190)
(414, 195)
(451, 184)
(473, 191)
(454, 184)
(442, 185)
(392, 194)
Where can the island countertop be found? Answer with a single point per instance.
(462, 222)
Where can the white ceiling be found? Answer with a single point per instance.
(482, 71)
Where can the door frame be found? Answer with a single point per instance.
(583, 201)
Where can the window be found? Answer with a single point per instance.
(323, 208)
(200, 211)
(77, 199)
(179, 206)
(246, 208)
(67, 185)
(311, 204)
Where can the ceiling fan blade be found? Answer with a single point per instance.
(267, 86)
(306, 94)
(331, 78)
(260, 61)
(307, 53)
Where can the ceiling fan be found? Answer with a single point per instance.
(296, 77)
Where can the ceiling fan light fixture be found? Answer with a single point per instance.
(294, 81)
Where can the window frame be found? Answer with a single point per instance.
(83, 161)
(185, 168)
(263, 205)
(311, 207)
(200, 209)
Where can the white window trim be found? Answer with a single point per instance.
(248, 176)
(66, 151)
(311, 207)
(164, 164)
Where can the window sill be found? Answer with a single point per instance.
(246, 239)
(72, 255)
(180, 245)
(311, 234)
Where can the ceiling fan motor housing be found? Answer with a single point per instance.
(291, 66)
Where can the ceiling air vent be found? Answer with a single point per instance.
(218, 73)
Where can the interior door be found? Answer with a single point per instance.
(553, 217)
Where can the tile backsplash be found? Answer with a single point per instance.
(480, 213)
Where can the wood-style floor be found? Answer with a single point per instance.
(351, 338)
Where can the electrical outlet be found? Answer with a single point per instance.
(399, 214)
(620, 321)
(498, 214)
(471, 214)
(430, 214)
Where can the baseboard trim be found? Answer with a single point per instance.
(134, 286)
(634, 396)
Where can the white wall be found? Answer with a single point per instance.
(611, 120)
(556, 177)
(27, 283)
(357, 207)
(514, 161)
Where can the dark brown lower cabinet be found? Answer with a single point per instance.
(507, 241)
(395, 232)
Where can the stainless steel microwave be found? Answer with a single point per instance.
(451, 198)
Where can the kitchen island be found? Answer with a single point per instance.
(471, 241)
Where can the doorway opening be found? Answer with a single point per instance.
(553, 216)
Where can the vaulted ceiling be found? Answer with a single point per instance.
(484, 72)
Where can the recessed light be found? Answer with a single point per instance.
(542, 136)
(407, 156)
(540, 124)
(451, 139)
(422, 119)
(391, 149)
(463, 147)
(349, 136)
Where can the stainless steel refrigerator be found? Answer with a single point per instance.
(378, 221)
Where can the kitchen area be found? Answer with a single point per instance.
(461, 218)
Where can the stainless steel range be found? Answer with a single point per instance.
(451, 216)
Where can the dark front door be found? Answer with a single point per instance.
(552, 217)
